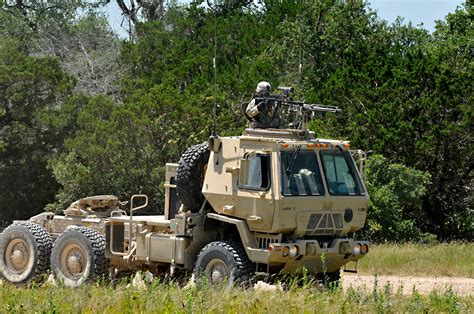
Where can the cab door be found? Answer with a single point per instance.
(255, 192)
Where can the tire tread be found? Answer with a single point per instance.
(244, 266)
(188, 176)
(97, 243)
(44, 245)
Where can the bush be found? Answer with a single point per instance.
(395, 209)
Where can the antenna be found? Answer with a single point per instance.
(300, 66)
(214, 111)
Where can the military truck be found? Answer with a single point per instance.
(270, 202)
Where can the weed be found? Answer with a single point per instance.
(428, 260)
(169, 297)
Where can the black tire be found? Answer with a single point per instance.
(190, 176)
(25, 250)
(78, 257)
(224, 263)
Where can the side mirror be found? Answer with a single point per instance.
(214, 144)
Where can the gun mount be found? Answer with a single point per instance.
(303, 111)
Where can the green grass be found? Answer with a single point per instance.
(169, 298)
(432, 260)
(159, 297)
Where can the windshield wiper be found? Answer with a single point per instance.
(293, 158)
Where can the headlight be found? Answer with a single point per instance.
(293, 251)
(357, 249)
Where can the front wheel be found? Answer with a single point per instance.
(25, 249)
(79, 256)
(224, 263)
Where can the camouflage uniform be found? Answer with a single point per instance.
(264, 114)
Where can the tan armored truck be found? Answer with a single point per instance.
(268, 202)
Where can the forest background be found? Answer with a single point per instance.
(84, 112)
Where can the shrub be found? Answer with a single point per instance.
(395, 210)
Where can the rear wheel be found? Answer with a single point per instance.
(25, 249)
(224, 263)
(79, 256)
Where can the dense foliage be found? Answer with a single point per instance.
(82, 112)
(395, 210)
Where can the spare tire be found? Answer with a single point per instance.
(190, 176)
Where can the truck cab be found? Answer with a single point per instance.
(299, 196)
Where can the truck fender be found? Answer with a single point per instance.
(248, 239)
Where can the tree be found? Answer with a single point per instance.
(36, 13)
(405, 94)
(29, 88)
(395, 212)
(83, 42)
(121, 149)
(167, 101)
(87, 49)
(138, 11)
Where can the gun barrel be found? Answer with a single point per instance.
(322, 108)
(286, 101)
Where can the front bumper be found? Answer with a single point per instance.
(293, 257)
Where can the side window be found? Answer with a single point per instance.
(255, 172)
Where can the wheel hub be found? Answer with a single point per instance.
(73, 261)
(17, 256)
(217, 271)
(75, 264)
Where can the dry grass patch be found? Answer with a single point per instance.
(431, 260)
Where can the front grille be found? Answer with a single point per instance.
(264, 240)
(337, 220)
(313, 221)
(320, 224)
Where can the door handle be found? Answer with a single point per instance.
(254, 218)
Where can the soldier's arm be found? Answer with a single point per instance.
(252, 109)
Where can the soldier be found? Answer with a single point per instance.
(264, 113)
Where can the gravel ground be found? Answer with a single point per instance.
(424, 285)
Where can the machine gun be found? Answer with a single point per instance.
(303, 112)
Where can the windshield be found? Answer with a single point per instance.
(300, 174)
(341, 175)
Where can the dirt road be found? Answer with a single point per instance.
(460, 286)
